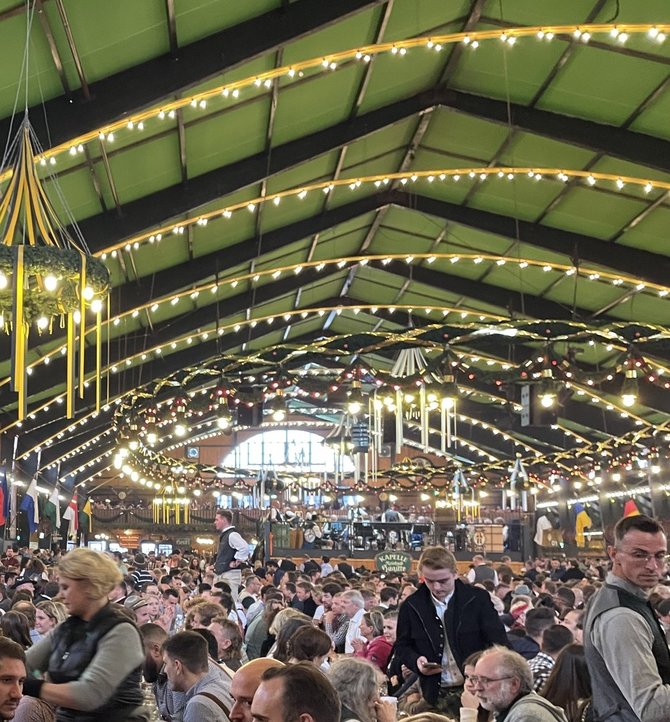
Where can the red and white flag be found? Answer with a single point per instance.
(72, 515)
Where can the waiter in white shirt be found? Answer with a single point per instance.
(232, 553)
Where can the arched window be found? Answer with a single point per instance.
(290, 449)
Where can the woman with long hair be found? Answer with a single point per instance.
(15, 626)
(357, 683)
(569, 684)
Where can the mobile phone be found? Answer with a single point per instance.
(432, 665)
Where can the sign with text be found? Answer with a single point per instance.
(392, 562)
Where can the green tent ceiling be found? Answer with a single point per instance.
(140, 170)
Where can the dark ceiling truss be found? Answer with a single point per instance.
(171, 20)
(74, 52)
(167, 282)
(53, 47)
(154, 209)
(148, 83)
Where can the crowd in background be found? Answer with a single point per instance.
(206, 648)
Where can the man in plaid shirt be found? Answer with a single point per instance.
(554, 638)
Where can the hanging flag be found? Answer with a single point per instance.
(85, 517)
(52, 510)
(4, 497)
(31, 506)
(582, 521)
(630, 508)
(72, 515)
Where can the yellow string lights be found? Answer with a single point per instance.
(617, 34)
(477, 174)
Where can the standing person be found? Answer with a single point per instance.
(232, 553)
(12, 675)
(624, 644)
(94, 657)
(440, 625)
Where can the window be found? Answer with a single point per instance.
(289, 449)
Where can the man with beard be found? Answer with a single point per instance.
(170, 703)
(503, 684)
(12, 674)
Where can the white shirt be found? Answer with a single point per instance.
(471, 575)
(241, 547)
(451, 674)
(353, 631)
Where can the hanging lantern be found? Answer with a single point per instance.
(178, 410)
(219, 404)
(45, 275)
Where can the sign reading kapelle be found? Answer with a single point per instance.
(391, 562)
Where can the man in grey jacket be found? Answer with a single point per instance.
(187, 669)
(504, 685)
(624, 644)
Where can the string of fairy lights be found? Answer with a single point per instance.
(232, 92)
(587, 388)
(618, 34)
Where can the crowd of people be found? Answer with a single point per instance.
(86, 635)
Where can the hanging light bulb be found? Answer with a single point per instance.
(629, 389)
(223, 421)
(355, 401)
(547, 392)
(277, 407)
(178, 411)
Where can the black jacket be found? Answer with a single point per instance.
(471, 621)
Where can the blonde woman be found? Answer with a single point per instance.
(48, 615)
(93, 659)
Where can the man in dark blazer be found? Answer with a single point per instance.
(441, 625)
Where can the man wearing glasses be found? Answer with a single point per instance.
(624, 644)
(503, 684)
(441, 624)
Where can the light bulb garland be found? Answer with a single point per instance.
(229, 93)
(590, 178)
(465, 359)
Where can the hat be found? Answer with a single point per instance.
(20, 581)
(134, 602)
(139, 560)
(523, 590)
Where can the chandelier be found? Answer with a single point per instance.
(47, 278)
